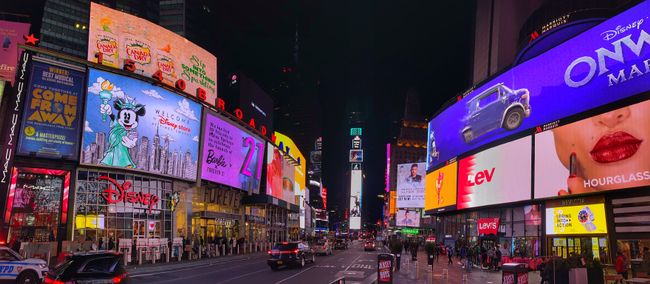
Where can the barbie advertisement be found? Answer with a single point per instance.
(497, 175)
(602, 65)
(231, 156)
(604, 152)
(279, 175)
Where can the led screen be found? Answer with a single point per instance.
(131, 124)
(604, 152)
(231, 156)
(441, 188)
(52, 114)
(11, 34)
(579, 219)
(153, 51)
(279, 175)
(497, 175)
(356, 178)
(600, 66)
(407, 218)
(410, 185)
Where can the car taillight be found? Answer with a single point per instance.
(49, 280)
(269, 252)
(119, 278)
(296, 251)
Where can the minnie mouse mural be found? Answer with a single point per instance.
(122, 135)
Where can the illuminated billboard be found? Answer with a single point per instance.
(578, 219)
(410, 185)
(600, 66)
(11, 34)
(52, 115)
(231, 156)
(299, 171)
(356, 156)
(131, 124)
(279, 175)
(497, 175)
(124, 41)
(440, 189)
(407, 218)
(356, 181)
(603, 152)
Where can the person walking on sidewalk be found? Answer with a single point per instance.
(470, 255)
(450, 253)
(407, 243)
(621, 264)
(437, 253)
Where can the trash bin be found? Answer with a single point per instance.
(514, 273)
(385, 267)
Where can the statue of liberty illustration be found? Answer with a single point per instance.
(122, 136)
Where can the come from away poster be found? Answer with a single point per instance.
(50, 126)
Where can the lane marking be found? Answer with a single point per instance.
(184, 268)
(243, 275)
(353, 262)
(292, 276)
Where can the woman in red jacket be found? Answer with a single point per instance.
(621, 264)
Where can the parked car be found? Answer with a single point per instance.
(89, 267)
(341, 244)
(290, 254)
(496, 107)
(369, 245)
(322, 246)
(20, 270)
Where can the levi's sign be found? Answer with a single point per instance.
(488, 226)
(605, 64)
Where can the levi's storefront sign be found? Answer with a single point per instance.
(576, 219)
(497, 175)
(605, 64)
(121, 192)
(488, 226)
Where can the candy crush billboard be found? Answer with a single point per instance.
(124, 41)
(231, 156)
(497, 175)
(605, 64)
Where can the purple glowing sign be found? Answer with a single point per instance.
(605, 64)
(231, 156)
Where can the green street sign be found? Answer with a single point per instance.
(355, 131)
(410, 231)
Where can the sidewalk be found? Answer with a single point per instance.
(150, 268)
(419, 272)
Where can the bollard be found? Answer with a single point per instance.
(153, 255)
(180, 254)
(125, 259)
(167, 254)
(139, 256)
(237, 249)
(223, 250)
(200, 251)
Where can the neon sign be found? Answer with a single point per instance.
(121, 193)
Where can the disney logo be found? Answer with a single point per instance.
(620, 29)
(121, 193)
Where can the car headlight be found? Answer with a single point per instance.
(43, 265)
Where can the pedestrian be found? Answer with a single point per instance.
(621, 264)
(497, 258)
(449, 255)
(470, 255)
(406, 245)
(111, 243)
(101, 243)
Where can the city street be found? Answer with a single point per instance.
(356, 265)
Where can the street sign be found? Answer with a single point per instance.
(356, 166)
(355, 131)
(356, 143)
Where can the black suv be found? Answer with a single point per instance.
(290, 254)
(340, 244)
(103, 266)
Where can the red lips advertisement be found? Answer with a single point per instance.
(604, 152)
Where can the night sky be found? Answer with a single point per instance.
(360, 55)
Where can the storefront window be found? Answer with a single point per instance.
(104, 210)
(34, 205)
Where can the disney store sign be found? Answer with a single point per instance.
(117, 192)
